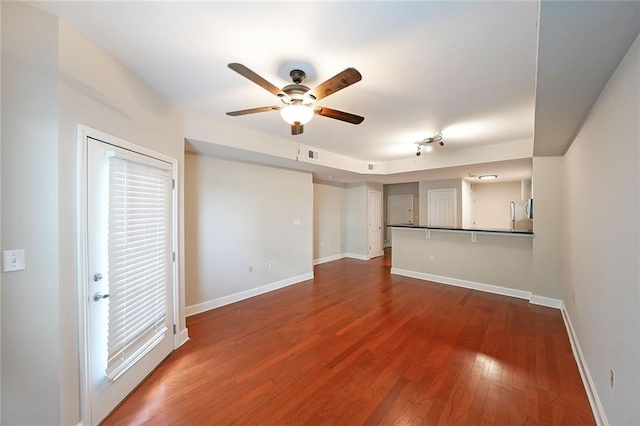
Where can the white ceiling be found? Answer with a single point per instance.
(467, 69)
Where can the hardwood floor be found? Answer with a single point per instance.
(357, 345)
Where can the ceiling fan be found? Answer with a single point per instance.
(298, 101)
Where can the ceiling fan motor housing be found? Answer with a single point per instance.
(296, 93)
(297, 76)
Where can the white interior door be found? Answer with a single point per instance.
(129, 284)
(375, 224)
(442, 207)
(400, 210)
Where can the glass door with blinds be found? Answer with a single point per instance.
(130, 267)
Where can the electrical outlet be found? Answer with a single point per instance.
(612, 379)
(271, 264)
(432, 257)
(250, 269)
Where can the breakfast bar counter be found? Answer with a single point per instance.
(458, 229)
(494, 260)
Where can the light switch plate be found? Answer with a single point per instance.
(12, 260)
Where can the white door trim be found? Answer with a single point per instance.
(371, 253)
(84, 132)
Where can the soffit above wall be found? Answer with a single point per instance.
(580, 45)
(511, 170)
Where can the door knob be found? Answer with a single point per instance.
(99, 296)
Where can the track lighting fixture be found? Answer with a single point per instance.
(426, 143)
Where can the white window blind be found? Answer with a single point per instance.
(139, 259)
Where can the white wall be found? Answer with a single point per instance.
(357, 218)
(493, 203)
(31, 345)
(329, 220)
(601, 240)
(0, 218)
(426, 186)
(341, 214)
(240, 215)
(547, 227)
(53, 79)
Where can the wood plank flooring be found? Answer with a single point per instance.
(357, 345)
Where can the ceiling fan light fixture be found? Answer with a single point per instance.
(299, 101)
(299, 114)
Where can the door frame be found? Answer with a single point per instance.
(84, 132)
(370, 254)
(471, 208)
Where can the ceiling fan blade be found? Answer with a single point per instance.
(247, 73)
(335, 83)
(254, 110)
(339, 115)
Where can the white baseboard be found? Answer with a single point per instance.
(489, 288)
(347, 255)
(232, 298)
(329, 258)
(362, 256)
(585, 375)
(546, 301)
(183, 337)
(356, 256)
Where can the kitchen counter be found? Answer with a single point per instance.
(460, 229)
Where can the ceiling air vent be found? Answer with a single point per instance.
(372, 167)
(314, 155)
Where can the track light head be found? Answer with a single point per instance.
(426, 143)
